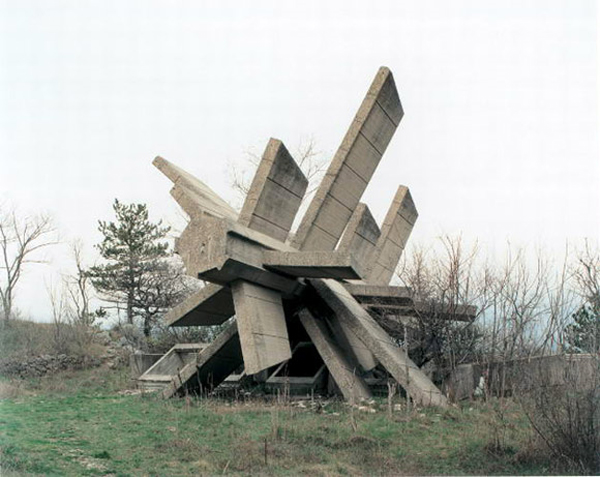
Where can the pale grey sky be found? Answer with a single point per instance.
(499, 139)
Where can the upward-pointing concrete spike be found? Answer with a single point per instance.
(352, 166)
(193, 195)
(275, 194)
(396, 229)
(360, 236)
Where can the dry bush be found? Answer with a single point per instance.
(22, 338)
(13, 389)
(566, 415)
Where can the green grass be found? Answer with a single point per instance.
(84, 427)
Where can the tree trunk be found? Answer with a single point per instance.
(7, 307)
(147, 326)
(130, 309)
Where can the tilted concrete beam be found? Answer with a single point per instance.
(352, 166)
(213, 364)
(193, 195)
(344, 370)
(397, 363)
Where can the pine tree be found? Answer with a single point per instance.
(583, 334)
(139, 274)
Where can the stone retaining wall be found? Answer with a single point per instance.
(37, 366)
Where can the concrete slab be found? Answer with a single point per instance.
(397, 363)
(261, 326)
(211, 305)
(465, 313)
(396, 229)
(344, 370)
(352, 166)
(379, 294)
(275, 194)
(193, 195)
(315, 264)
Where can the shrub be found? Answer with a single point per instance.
(566, 416)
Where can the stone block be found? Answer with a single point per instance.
(275, 194)
(261, 326)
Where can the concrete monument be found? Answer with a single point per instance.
(324, 278)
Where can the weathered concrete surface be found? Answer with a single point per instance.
(574, 372)
(352, 166)
(315, 264)
(396, 229)
(275, 193)
(221, 251)
(465, 313)
(261, 326)
(211, 367)
(169, 366)
(139, 363)
(351, 343)
(379, 294)
(406, 373)
(211, 305)
(193, 195)
(344, 370)
(360, 237)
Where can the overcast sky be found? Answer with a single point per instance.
(499, 140)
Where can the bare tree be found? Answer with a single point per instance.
(445, 284)
(582, 334)
(587, 273)
(531, 301)
(60, 325)
(20, 240)
(79, 289)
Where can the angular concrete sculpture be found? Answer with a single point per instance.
(271, 280)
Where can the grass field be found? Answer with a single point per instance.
(79, 424)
